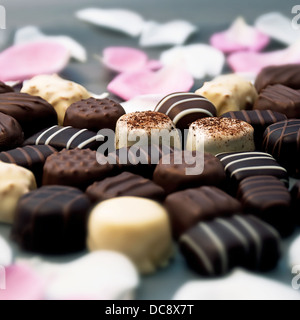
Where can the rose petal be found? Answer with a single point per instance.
(6, 255)
(22, 283)
(33, 34)
(121, 20)
(154, 65)
(200, 60)
(239, 37)
(278, 27)
(252, 62)
(146, 102)
(167, 80)
(171, 33)
(24, 61)
(124, 59)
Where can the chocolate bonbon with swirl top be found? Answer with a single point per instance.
(11, 134)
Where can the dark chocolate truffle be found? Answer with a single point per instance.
(11, 134)
(4, 88)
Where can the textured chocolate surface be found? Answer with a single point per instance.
(189, 207)
(216, 247)
(241, 165)
(77, 168)
(185, 108)
(281, 99)
(125, 184)
(171, 172)
(267, 198)
(29, 157)
(11, 134)
(259, 120)
(4, 88)
(52, 220)
(287, 75)
(66, 138)
(282, 141)
(94, 114)
(33, 113)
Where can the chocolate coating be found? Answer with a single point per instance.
(171, 173)
(77, 168)
(267, 198)
(5, 88)
(33, 113)
(282, 140)
(29, 157)
(11, 134)
(259, 120)
(189, 207)
(125, 184)
(281, 99)
(94, 114)
(287, 75)
(66, 138)
(52, 220)
(214, 248)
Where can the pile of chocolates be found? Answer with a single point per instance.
(61, 195)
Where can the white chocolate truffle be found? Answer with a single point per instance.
(60, 93)
(146, 128)
(15, 182)
(217, 135)
(136, 227)
(229, 93)
(6, 254)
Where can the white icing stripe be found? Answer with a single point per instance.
(254, 234)
(184, 101)
(37, 141)
(74, 137)
(55, 134)
(258, 168)
(244, 153)
(219, 245)
(189, 111)
(246, 159)
(174, 96)
(86, 142)
(201, 254)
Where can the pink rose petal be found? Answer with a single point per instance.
(21, 283)
(239, 37)
(154, 65)
(252, 62)
(167, 80)
(21, 62)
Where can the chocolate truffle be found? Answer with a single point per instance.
(146, 128)
(52, 220)
(11, 134)
(15, 181)
(282, 141)
(229, 93)
(125, 184)
(4, 88)
(32, 113)
(76, 168)
(94, 114)
(136, 227)
(287, 75)
(183, 170)
(185, 108)
(189, 207)
(215, 135)
(60, 93)
(30, 157)
(281, 99)
(216, 247)
(267, 198)
(258, 119)
(66, 138)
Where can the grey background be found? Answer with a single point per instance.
(57, 17)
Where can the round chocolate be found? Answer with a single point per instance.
(282, 141)
(11, 134)
(4, 88)
(185, 108)
(94, 114)
(77, 168)
(33, 113)
(52, 220)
